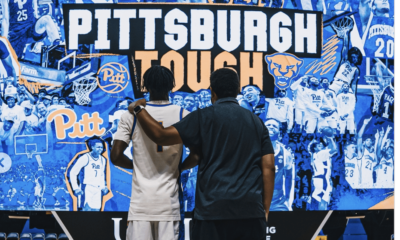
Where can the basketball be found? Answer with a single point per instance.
(327, 131)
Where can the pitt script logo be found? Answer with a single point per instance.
(113, 77)
(283, 67)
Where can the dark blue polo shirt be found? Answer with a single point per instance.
(232, 141)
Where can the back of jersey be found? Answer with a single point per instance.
(155, 195)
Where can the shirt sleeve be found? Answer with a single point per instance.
(126, 126)
(189, 129)
(266, 145)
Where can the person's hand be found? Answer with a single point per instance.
(78, 192)
(104, 191)
(132, 106)
(366, 121)
(382, 133)
(389, 128)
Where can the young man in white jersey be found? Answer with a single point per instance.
(385, 157)
(281, 108)
(348, 70)
(321, 152)
(331, 116)
(366, 152)
(154, 211)
(314, 100)
(299, 89)
(352, 165)
(94, 185)
(346, 107)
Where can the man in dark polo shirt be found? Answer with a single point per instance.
(236, 172)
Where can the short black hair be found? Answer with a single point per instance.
(225, 83)
(92, 142)
(355, 50)
(159, 80)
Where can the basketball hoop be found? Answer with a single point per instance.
(30, 153)
(342, 26)
(378, 84)
(82, 88)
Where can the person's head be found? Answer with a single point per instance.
(368, 142)
(204, 96)
(350, 149)
(159, 81)
(345, 87)
(47, 100)
(55, 100)
(355, 56)
(380, 7)
(389, 152)
(62, 101)
(224, 83)
(42, 93)
(273, 127)
(27, 107)
(8, 123)
(22, 96)
(189, 102)
(313, 81)
(42, 109)
(325, 82)
(281, 93)
(251, 94)
(11, 100)
(177, 100)
(96, 146)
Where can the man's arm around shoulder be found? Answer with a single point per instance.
(155, 131)
(118, 158)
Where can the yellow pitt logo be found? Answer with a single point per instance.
(283, 67)
(113, 77)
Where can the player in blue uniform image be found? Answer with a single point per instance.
(346, 106)
(252, 94)
(284, 182)
(24, 20)
(321, 151)
(311, 5)
(204, 99)
(9, 62)
(386, 103)
(94, 185)
(189, 103)
(178, 99)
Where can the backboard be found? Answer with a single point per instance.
(31, 144)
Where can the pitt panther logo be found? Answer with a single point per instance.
(283, 67)
(113, 77)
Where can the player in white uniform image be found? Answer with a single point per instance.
(299, 88)
(321, 152)
(331, 118)
(316, 106)
(385, 156)
(352, 165)
(366, 152)
(284, 182)
(348, 70)
(154, 211)
(94, 185)
(281, 108)
(346, 107)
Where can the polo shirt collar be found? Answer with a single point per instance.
(227, 99)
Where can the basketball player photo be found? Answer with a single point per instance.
(91, 185)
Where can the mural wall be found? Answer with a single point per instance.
(321, 78)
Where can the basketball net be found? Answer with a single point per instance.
(378, 84)
(30, 153)
(82, 88)
(342, 26)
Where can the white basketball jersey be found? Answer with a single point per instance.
(346, 72)
(300, 97)
(384, 175)
(352, 171)
(367, 168)
(346, 104)
(280, 108)
(154, 179)
(314, 102)
(94, 171)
